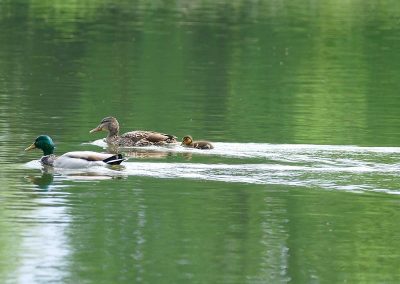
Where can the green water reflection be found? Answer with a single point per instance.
(178, 231)
(293, 73)
(285, 72)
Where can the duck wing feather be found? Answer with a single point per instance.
(150, 136)
(87, 155)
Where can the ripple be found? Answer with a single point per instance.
(255, 150)
(348, 168)
(342, 178)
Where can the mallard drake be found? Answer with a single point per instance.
(71, 160)
(188, 142)
(133, 138)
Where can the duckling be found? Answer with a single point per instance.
(133, 138)
(188, 142)
(71, 160)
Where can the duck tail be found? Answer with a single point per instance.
(114, 160)
(171, 138)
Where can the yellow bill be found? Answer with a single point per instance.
(31, 147)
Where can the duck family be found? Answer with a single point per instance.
(85, 159)
(143, 138)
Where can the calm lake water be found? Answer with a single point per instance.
(301, 99)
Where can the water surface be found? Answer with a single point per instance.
(300, 100)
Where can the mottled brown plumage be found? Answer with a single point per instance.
(133, 138)
(188, 142)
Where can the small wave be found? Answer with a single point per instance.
(350, 168)
(298, 154)
(343, 178)
(254, 150)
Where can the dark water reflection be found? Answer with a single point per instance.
(258, 79)
(183, 228)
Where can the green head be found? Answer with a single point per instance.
(44, 143)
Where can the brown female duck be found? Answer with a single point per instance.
(133, 138)
(188, 142)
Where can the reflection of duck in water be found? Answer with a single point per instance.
(147, 154)
(43, 182)
(133, 138)
(188, 142)
(71, 160)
